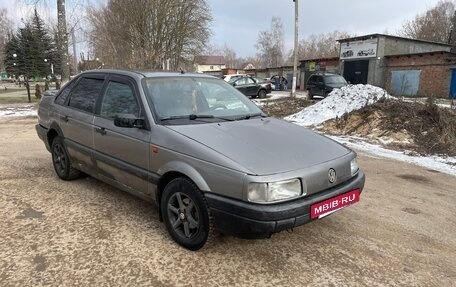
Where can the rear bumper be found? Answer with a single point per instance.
(248, 220)
(42, 134)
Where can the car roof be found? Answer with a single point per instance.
(147, 74)
(325, 74)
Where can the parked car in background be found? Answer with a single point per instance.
(280, 82)
(230, 77)
(264, 83)
(250, 87)
(321, 84)
(203, 152)
(272, 82)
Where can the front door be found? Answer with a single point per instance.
(121, 153)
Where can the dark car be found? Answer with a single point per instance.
(204, 153)
(251, 87)
(323, 84)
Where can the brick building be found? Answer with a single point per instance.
(421, 74)
(310, 66)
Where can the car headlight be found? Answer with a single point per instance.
(274, 191)
(354, 166)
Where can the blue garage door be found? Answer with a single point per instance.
(405, 83)
(453, 84)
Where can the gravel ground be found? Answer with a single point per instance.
(86, 233)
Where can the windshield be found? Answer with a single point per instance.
(186, 99)
(335, 80)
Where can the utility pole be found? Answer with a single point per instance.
(75, 59)
(295, 51)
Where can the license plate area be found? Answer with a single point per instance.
(328, 206)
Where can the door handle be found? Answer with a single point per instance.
(100, 130)
(64, 118)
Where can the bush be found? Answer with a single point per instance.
(37, 91)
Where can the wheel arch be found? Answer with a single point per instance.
(173, 170)
(54, 130)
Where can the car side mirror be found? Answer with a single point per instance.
(129, 121)
(234, 84)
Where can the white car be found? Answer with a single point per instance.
(227, 78)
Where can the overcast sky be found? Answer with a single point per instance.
(237, 22)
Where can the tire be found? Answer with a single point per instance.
(61, 161)
(186, 214)
(262, 94)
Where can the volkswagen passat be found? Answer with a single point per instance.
(205, 154)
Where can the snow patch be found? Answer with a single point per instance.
(444, 164)
(339, 102)
(24, 111)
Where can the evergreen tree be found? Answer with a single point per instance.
(32, 45)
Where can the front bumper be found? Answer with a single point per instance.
(249, 220)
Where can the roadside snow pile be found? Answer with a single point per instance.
(24, 111)
(339, 102)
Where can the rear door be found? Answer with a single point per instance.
(311, 84)
(76, 119)
(319, 86)
(240, 84)
(251, 87)
(121, 154)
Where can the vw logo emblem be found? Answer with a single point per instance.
(332, 175)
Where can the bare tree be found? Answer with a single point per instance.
(145, 33)
(270, 44)
(5, 31)
(62, 40)
(319, 46)
(433, 25)
(452, 38)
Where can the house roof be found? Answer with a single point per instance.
(209, 60)
(370, 36)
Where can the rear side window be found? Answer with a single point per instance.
(61, 98)
(85, 94)
(119, 99)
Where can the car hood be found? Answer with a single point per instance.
(265, 146)
(336, 85)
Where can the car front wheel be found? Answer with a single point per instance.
(186, 214)
(309, 95)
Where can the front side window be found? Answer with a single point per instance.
(85, 94)
(193, 97)
(249, 81)
(119, 98)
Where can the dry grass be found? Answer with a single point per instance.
(428, 128)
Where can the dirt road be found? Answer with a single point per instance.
(86, 233)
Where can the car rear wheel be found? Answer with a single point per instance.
(186, 214)
(262, 94)
(61, 161)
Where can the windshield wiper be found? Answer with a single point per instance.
(194, 117)
(249, 116)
